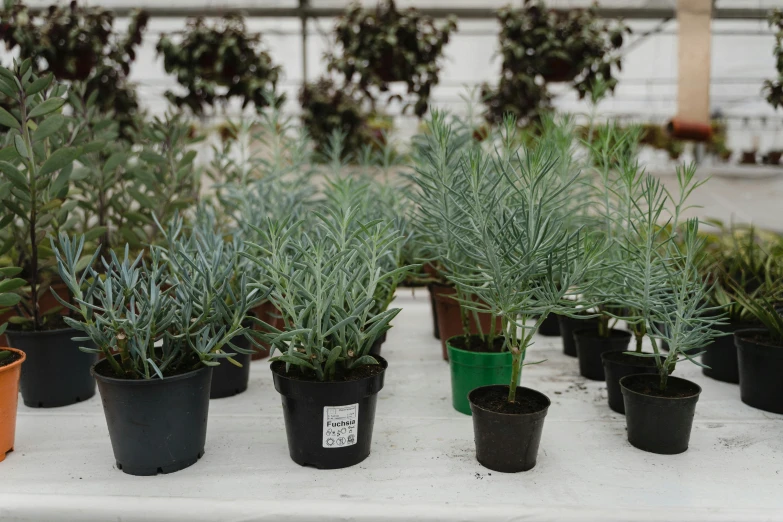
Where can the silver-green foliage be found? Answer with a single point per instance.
(660, 274)
(509, 243)
(169, 314)
(324, 281)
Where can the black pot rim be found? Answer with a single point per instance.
(655, 376)
(143, 382)
(593, 333)
(39, 333)
(380, 359)
(510, 415)
(740, 335)
(606, 357)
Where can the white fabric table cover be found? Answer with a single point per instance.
(422, 465)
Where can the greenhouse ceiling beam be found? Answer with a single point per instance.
(307, 11)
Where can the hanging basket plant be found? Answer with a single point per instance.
(217, 62)
(79, 44)
(539, 45)
(327, 109)
(385, 45)
(773, 89)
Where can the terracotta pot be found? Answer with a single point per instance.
(9, 396)
(267, 312)
(450, 320)
(748, 157)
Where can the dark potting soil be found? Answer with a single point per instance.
(762, 338)
(629, 360)
(496, 399)
(340, 374)
(648, 385)
(477, 343)
(52, 322)
(188, 365)
(5, 361)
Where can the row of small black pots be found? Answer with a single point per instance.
(159, 425)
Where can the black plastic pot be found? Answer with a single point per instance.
(760, 371)
(507, 442)
(721, 354)
(329, 424)
(434, 307)
(568, 326)
(550, 327)
(376, 346)
(659, 424)
(156, 425)
(228, 379)
(590, 346)
(618, 365)
(56, 372)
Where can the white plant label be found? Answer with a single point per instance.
(341, 426)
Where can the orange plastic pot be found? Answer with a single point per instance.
(267, 312)
(450, 319)
(9, 396)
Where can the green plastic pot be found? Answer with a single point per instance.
(471, 370)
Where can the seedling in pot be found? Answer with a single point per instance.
(672, 295)
(161, 325)
(738, 258)
(508, 229)
(437, 156)
(37, 163)
(760, 353)
(182, 244)
(323, 280)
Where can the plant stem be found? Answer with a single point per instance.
(33, 213)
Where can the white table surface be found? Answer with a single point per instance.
(422, 465)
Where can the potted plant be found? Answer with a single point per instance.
(163, 178)
(161, 327)
(323, 282)
(217, 62)
(759, 353)
(271, 191)
(528, 265)
(539, 45)
(80, 46)
(328, 108)
(230, 376)
(437, 156)
(381, 46)
(10, 364)
(738, 259)
(504, 217)
(659, 408)
(38, 163)
(773, 89)
(644, 205)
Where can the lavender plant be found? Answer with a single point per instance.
(157, 317)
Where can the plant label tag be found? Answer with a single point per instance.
(341, 426)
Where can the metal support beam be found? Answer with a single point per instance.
(305, 11)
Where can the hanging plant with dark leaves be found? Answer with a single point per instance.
(385, 45)
(219, 61)
(773, 89)
(539, 45)
(79, 45)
